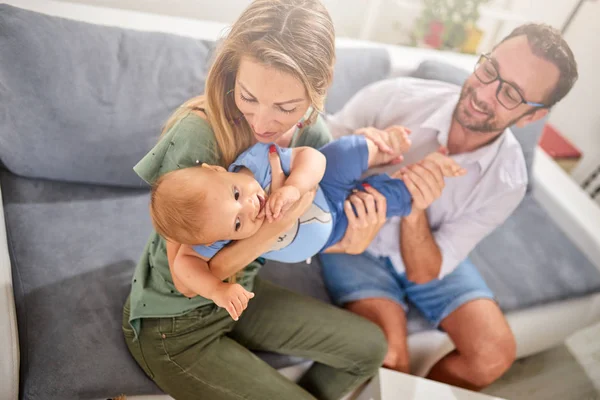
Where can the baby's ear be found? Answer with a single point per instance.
(216, 168)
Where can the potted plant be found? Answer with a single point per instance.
(447, 24)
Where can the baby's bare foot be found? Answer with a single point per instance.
(448, 166)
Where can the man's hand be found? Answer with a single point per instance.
(425, 181)
(280, 201)
(232, 297)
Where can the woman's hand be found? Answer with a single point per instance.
(363, 226)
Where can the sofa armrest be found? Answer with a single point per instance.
(9, 346)
(568, 205)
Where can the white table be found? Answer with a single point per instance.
(392, 385)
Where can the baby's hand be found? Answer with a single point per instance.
(280, 201)
(232, 297)
(448, 166)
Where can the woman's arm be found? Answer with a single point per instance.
(235, 256)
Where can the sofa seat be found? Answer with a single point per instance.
(71, 278)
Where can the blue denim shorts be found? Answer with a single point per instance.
(354, 277)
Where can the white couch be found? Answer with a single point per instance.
(536, 329)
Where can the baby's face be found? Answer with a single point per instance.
(236, 201)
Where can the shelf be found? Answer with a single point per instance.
(487, 12)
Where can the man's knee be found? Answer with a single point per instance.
(492, 360)
(397, 359)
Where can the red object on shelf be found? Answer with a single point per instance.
(434, 36)
(556, 145)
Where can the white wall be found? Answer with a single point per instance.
(578, 115)
(347, 15)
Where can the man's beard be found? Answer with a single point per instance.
(462, 114)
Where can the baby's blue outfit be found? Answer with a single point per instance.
(325, 223)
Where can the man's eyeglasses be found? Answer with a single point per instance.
(508, 96)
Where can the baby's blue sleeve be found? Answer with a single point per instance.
(210, 250)
(256, 159)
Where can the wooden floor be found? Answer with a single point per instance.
(567, 372)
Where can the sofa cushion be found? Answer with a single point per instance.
(541, 266)
(355, 68)
(73, 249)
(83, 102)
(528, 136)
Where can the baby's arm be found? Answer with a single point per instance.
(236, 255)
(172, 250)
(193, 272)
(306, 171)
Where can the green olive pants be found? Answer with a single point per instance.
(206, 355)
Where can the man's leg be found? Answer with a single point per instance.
(485, 346)
(391, 318)
(463, 306)
(368, 286)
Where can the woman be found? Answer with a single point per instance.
(267, 84)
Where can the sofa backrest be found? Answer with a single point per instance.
(83, 103)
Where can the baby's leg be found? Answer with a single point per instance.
(347, 159)
(398, 198)
(449, 167)
(396, 138)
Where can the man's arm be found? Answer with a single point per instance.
(428, 255)
(421, 255)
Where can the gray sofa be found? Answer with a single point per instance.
(80, 104)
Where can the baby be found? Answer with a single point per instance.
(205, 207)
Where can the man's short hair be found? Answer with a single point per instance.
(547, 42)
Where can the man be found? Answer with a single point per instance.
(422, 257)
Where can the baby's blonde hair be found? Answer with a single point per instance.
(177, 205)
(294, 36)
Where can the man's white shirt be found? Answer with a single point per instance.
(471, 206)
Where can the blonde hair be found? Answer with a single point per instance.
(294, 36)
(176, 201)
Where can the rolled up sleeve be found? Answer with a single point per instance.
(457, 238)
